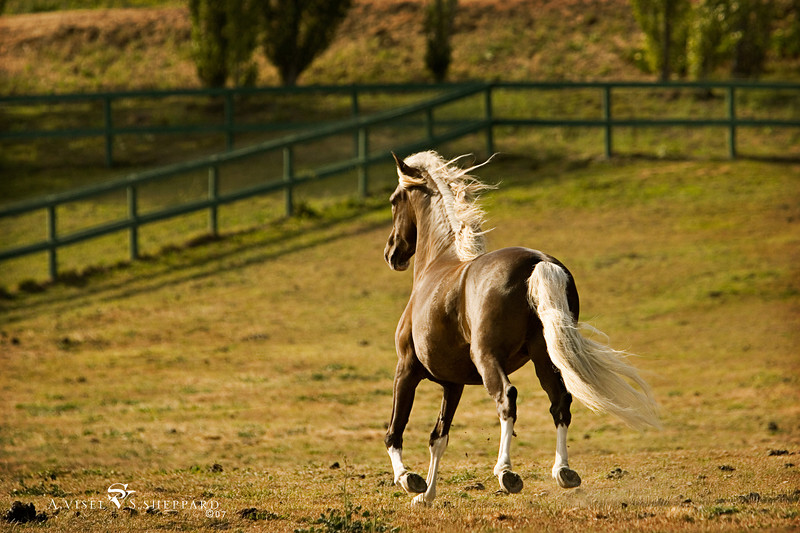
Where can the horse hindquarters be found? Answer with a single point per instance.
(592, 372)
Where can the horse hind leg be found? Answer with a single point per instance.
(560, 401)
(505, 396)
(440, 437)
(507, 410)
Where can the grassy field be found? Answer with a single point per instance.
(245, 384)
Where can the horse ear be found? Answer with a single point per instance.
(404, 169)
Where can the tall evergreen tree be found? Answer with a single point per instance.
(224, 34)
(439, 24)
(737, 32)
(665, 24)
(297, 31)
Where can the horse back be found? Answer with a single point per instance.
(482, 304)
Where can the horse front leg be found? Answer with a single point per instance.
(406, 380)
(440, 436)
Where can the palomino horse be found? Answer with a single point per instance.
(475, 317)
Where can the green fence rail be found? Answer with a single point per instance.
(486, 116)
(608, 120)
(228, 123)
(361, 161)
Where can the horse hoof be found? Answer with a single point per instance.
(413, 483)
(568, 479)
(510, 482)
(420, 501)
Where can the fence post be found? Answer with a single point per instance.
(213, 192)
(288, 178)
(132, 217)
(732, 121)
(429, 123)
(229, 120)
(363, 171)
(109, 127)
(355, 112)
(609, 148)
(489, 120)
(51, 239)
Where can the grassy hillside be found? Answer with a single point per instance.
(381, 41)
(255, 373)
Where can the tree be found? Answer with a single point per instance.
(665, 24)
(786, 38)
(297, 31)
(439, 23)
(224, 36)
(731, 31)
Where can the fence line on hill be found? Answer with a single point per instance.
(488, 116)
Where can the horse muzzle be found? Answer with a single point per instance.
(394, 256)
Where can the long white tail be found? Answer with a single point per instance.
(593, 372)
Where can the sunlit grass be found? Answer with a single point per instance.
(270, 354)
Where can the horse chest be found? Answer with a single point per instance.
(441, 345)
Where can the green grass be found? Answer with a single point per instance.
(270, 354)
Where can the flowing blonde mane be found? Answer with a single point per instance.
(458, 194)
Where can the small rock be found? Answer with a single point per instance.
(726, 468)
(335, 465)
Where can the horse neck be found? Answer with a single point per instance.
(434, 242)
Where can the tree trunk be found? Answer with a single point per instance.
(665, 40)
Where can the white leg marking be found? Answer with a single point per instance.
(504, 455)
(562, 473)
(437, 451)
(409, 481)
(561, 449)
(509, 481)
(396, 455)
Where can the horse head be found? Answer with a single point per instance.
(402, 242)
